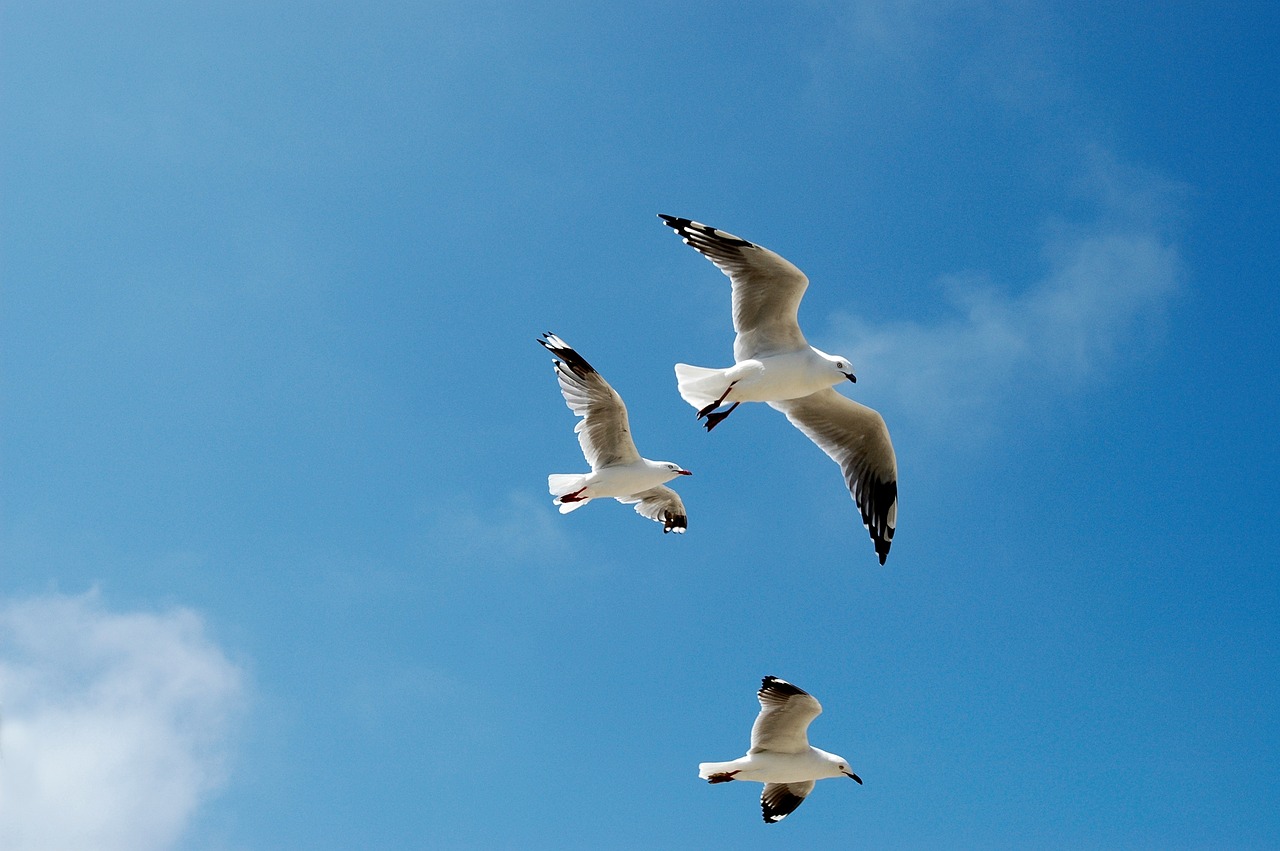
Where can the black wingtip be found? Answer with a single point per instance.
(568, 356)
(671, 522)
(777, 802)
(773, 684)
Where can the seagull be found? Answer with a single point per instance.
(774, 363)
(617, 470)
(780, 756)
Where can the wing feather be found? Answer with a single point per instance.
(604, 432)
(785, 714)
(779, 800)
(662, 504)
(856, 438)
(767, 289)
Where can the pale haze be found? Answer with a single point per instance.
(278, 565)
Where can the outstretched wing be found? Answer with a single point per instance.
(767, 289)
(661, 504)
(779, 800)
(785, 713)
(603, 433)
(857, 439)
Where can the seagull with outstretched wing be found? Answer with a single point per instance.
(617, 470)
(780, 756)
(774, 363)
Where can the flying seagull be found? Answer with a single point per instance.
(617, 470)
(774, 363)
(780, 755)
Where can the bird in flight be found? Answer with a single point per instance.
(617, 470)
(774, 363)
(780, 756)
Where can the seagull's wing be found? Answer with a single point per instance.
(779, 800)
(661, 504)
(857, 439)
(766, 289)
(783, 722)
(604, 433)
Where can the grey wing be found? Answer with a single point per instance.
(604, 432)
(767, 289)
(661, 504)
(857, 439)
(779, 800)
(785, 714)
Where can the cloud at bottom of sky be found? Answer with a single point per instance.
(1102, 297)
(116, 725)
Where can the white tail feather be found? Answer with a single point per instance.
(698, 385)
(706, 769)
(559, 484)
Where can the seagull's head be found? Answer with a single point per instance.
(848, 772)
(838, 765)
(842, 365)
(675, 469)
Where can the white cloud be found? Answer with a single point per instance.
(1100, 301)
(115, 725)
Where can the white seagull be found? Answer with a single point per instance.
(774, 363)
(780, 755)
(617, 470)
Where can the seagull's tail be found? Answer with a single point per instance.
(560, 484)
(698, 385)
(706, 769)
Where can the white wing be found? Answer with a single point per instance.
(857, 439)
(661, 504)
(766, 289)
(603, 433)
(783, 722)
(779, 800)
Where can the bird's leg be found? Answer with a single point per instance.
(717, 403)
(722, 777)
(713, 420)
(572, 497)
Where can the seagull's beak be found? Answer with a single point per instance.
(852, 775)
(851, 377)
(684, 473)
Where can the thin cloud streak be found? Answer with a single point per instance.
(115, 725)
(517, 532)
(1100, 302)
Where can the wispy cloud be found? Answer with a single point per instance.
(1101, 299)
(520, 531)
(115, 725)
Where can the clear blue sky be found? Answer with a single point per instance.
(278, 565)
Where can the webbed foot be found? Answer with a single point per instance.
(722, 777)
(714, 420)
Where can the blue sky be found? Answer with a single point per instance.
(279, 568)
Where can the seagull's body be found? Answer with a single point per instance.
(763, 378)
(774, 363)
(781, 756)
(617, 470)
